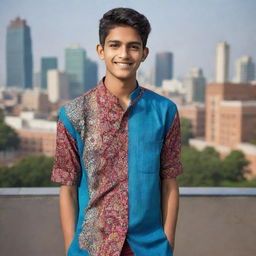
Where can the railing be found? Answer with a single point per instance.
(212, 221)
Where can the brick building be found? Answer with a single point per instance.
(196, 114)
(230, 120)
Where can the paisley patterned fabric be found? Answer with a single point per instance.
(99, 120)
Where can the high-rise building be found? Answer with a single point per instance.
(222, 62)
(47, 63)
(57, 86)
(91, 74)
(163, 67)
(37, 80)
(194, 84)
(245, 70)
(75, 69)
(19, 64)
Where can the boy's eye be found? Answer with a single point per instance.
(113, 45)
(135, 47)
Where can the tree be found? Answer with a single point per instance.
(186, 130)
(253, 141)
(235, 166)
(32, 171)
(200, 168)
(8, 137)
(205, 168)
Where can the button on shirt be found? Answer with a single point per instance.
(117, 159)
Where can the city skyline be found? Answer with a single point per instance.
(66, 24)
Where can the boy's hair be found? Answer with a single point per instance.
(124, 17)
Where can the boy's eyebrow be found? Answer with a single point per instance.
(117, 41)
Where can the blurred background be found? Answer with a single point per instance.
(202, 56)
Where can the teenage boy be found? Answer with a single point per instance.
(117, 154)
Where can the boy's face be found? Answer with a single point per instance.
(123, 52)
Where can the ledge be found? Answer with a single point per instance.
(184, 191)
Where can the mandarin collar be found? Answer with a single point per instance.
(109, 99)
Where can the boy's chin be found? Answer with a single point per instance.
(124, 77)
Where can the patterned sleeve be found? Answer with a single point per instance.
(170, 155)
(66, 168)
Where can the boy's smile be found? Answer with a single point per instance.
(123, 52)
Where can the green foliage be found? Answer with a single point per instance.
(8, 137)
(253, 141)
(235, 166)
(200, 168)
(186, 130)
(206, 168)
(32, 171)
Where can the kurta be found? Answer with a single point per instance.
(117, 158)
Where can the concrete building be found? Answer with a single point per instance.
(47, 63)
(19, 63)
(196, 114)
(35, 100)
(245, 70)
(163, 67)
(38, 136)
(57, 86)
(174, 86)
(222, 63)
(75, 70)
(194, 84)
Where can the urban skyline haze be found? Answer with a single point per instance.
(188, 29)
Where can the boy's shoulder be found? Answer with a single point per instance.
(79, 103)
(158, 99)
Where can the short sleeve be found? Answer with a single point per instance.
(66, 167)
(170, 154)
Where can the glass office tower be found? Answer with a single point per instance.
(75, 69)
(47, 63)
(91, 74)
(163, 68)
(19, 64)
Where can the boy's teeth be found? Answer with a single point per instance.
(123, 64)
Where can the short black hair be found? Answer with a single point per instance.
(124, 17)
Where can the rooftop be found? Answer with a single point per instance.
(212, 221)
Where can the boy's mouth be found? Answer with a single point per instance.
(123, 64)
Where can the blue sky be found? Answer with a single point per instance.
(188, 28)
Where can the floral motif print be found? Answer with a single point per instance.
(170, 160)
(66, 168)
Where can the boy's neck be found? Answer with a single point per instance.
(120, 88)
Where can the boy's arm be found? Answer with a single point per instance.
(67, 171)
(171, 167)
(68, 212)
(170, 208)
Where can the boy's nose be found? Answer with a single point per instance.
(124, 52)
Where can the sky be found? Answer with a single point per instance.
(190, 29)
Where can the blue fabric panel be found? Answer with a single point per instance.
(149, 121)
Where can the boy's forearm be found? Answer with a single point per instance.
(170, 208)
(68, 213)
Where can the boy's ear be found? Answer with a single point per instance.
(100, 51)
(145, 53)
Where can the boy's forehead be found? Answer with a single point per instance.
(123, 34)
